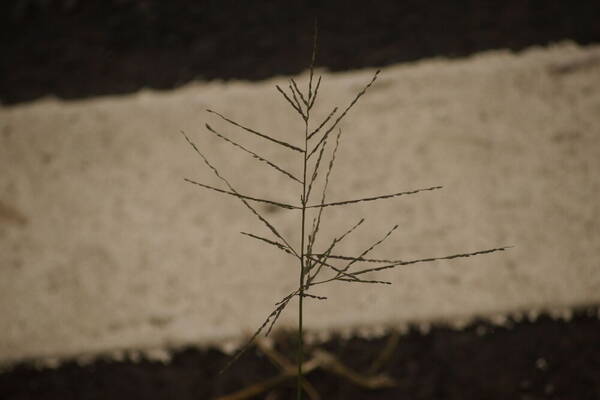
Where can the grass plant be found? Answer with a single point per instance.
(318, 262)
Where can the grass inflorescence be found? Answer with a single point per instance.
(325, 265)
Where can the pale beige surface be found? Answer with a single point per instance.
(103, 246)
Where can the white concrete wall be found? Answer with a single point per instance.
(103, 245)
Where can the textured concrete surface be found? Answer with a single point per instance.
(103, 245)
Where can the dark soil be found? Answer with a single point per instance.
(546, 359)
(75, 48)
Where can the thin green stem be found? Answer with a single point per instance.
(302, 261)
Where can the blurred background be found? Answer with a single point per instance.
(76, 49)
(104, 248)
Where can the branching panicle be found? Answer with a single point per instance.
(312, 101)
(311, 262)
(323, 257)
(358, 96)
(370, 248)
(294, 88)
(317, 223)
(280, 142)
(315, 171)
(294, 106)
(256, 156)
(299, 107)
(243, 200)
(310, 135)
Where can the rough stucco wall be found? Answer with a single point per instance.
(103, 246)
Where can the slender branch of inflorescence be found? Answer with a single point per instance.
(233, 191)
(415, 261)
(385, 196)
(253, 154)
(352, 103)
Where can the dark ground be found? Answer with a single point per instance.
(76, 48)
(546, 359)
